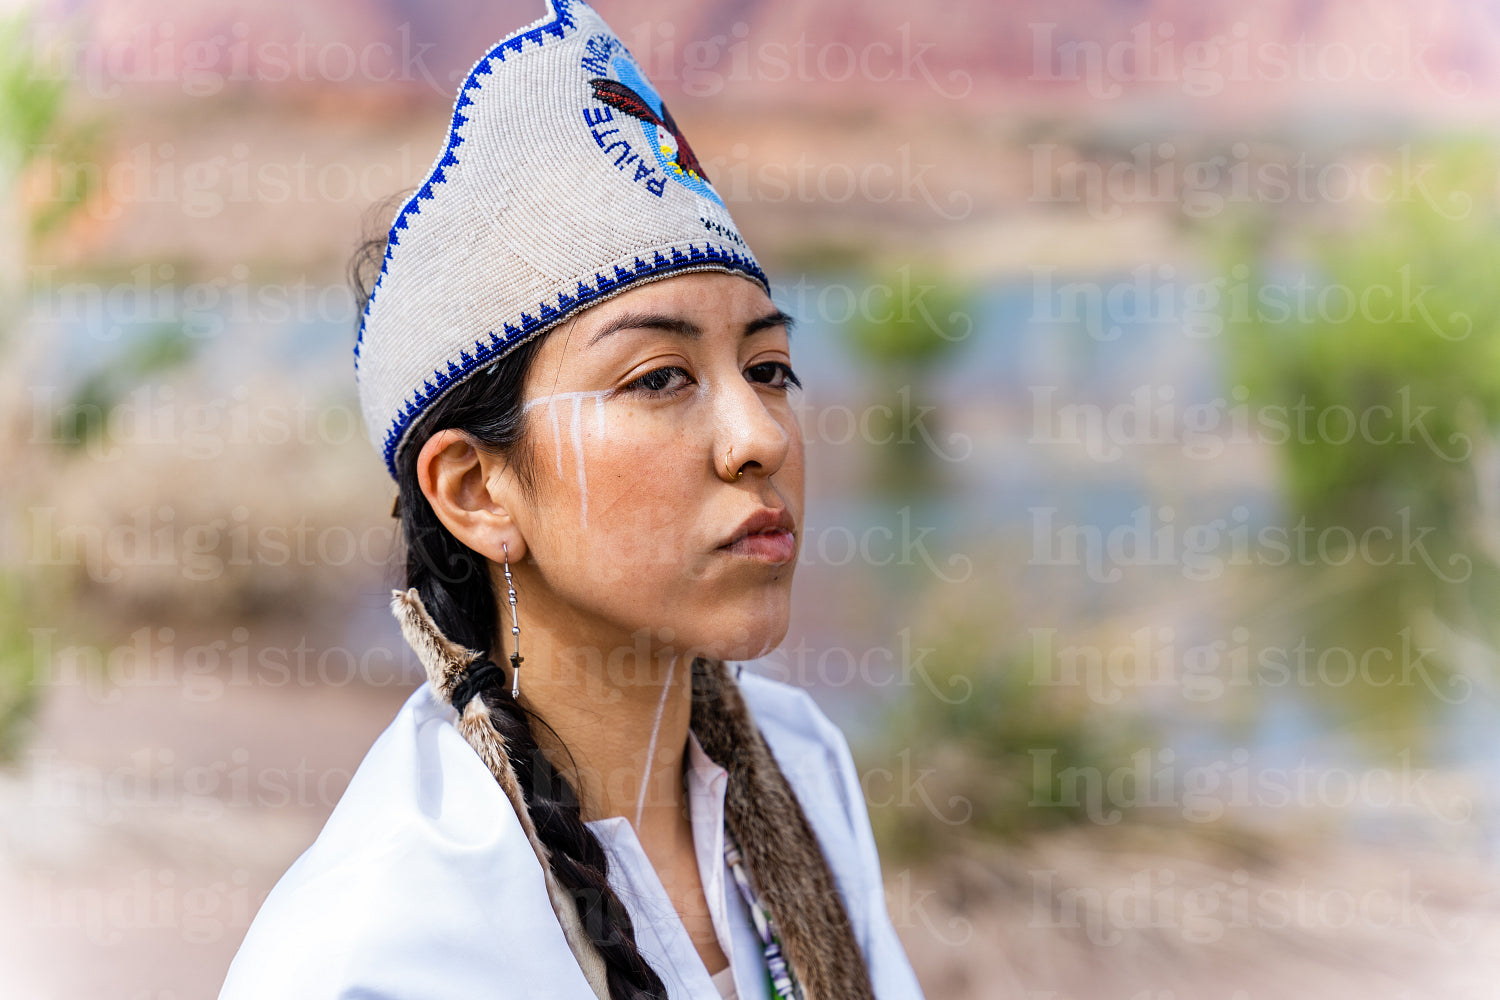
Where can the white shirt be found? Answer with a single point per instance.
(661, 937)
(422, 885)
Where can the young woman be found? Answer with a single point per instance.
(576, 375)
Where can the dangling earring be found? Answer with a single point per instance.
(515, 630)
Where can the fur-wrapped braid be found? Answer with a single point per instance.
(786, 863)
(446, 664)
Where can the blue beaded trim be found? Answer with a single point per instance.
(558, 28)
(546, 313)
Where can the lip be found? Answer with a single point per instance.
(765, 536)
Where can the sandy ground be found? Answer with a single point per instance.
(145, 825)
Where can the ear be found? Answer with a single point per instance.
(471, 491)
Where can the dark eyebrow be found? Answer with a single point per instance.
(766, 322)
(648, 321)
(682, 327)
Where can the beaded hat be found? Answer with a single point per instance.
(564, 180)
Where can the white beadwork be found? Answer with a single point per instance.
(783, 983)
(550, 195)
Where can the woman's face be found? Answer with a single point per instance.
(666, 471)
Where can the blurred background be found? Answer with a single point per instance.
(1152, 365)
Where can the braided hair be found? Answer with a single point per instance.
(454, 583)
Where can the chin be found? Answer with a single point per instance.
(745, 629)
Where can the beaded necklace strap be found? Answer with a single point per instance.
(784, 985)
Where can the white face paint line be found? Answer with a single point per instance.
(575, 433)
(661, 705)
(556, 434)
(599, 394)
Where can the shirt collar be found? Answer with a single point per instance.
(706, 784)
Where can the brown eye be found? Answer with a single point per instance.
(661, 380)
(773, 375)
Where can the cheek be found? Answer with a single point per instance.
(617, 488)
(790, 476)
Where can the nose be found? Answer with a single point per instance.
(747, 435)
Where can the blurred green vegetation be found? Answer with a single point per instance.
(82, 420)
(18, 692)
(978, 746)
(909, 322)
(987, 752)
(1374, 333)
(33, 123)
(1364, 339)
(30, 105)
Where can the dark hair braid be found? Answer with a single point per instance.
(578, 859)
(455, 586)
